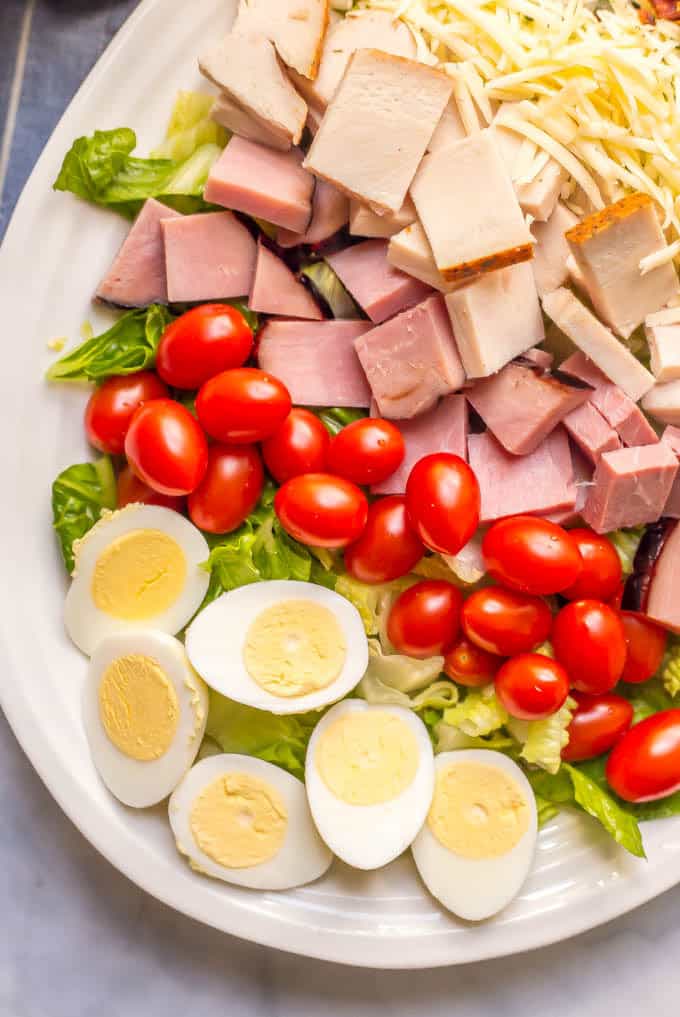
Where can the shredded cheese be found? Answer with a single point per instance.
(591, 86)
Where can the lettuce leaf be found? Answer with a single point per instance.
(647, 698)
(626, 543)
(479, 714)
(542, 741)
(129, 345)
(79, 496)
(190, 127)
(334, 418)
(670, 668)
(396, 680)
(326, 285)
(372, 601)
(447, 739)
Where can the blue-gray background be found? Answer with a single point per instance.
(76, 938)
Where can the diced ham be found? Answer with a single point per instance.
(663, 601)
(410, 251)
(551, 250)
(137, 276)
(377, 127)
(583, 478)
(618, 410)
(495, 318)
(469, 211)
(443, 428)
(208, 256)
(449, 129)
(671, 436)
(587, 427)
(663, 337)
(316, 361)
(608, 247)
(411, 360)
(364, 222)
(521, 406)
(663, 402)
(631, 487)
(296, 27)
(379, 288)
(275, 290)
(539, 483)
(537, 192)
(598, 343)
(330, 212)
(257, 180)
(541, 358)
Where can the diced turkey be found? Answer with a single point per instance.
(275, 290)
(137, 276)
(537, 189)
(551, 250)
(449, 129)
(234, 118)
(297, 29)
(208, 256)
(663, 402)
(379, 288)
(631, 487)
(364, 222)
(663, 338)
(410, 251)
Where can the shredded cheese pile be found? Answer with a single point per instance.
(590, 86)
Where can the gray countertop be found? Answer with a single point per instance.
(80, 940)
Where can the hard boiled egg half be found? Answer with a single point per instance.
(144, 711)
(282, 646)
(137, 568)
(370, 778)
(476, 848)
(247, 822)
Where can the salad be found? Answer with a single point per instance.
(378, 548)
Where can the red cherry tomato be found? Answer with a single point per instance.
(112, 405)
(424, 619)
(468, 664)
(589, 640)
(367, 451)
(388, 548)
(322, 510)
(597, 725)
(242, 406)
(646, 643)
(645, 763)
(601, 575)
(299, 445)
(442, 497)
(133, 490)
(230, 489)
(532, 686)
(531, 555)
(201, 343)
(506, 622)
(166, 448)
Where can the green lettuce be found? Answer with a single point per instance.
(129, 345)
(647, 698)
(79, 496)
(334, 418)
(372, 601)
(327, 286)
(626, 543)
(542, 741)
(396, 680)
(670, 668)
(190, 127)
(447, 739)
(479, 714)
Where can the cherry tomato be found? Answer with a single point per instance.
(242, 406)
(601, 575)
(531, 555)
(589, 640)
(166, 448)
(112, 405)
(645, 764)
(532, 686)
(388, 548)
(131, 489)
(442, 497)
(646, 643)
(299, 445)
(322, 510)
(424, 619)
(597, 725)
(201, 343)
(506, 622)
(367, 451)
(468, 664)
(230, 489)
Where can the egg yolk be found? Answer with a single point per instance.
(138, 707)
(139, 575)
(294, 648)
(239, 821)
(478, 811)
(366, 758)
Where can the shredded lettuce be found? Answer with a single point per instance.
(626, 543)
(190, 127)
(448, 739)
(327, 287)
(670, 668)
(373, 602)
(542, 741)
(396, 680)
(479, 714)
(79, 496)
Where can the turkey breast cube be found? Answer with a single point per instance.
(248, 72)
(364, 222)
(608, 247)
(449, 129)
(663, 338)
(237, 120)
(377, 127)
(552, 250)
(495, 318)
(465, 200)
(297, 29)
(537, 192)
(598, 343)
(410, 251)
(663, 402)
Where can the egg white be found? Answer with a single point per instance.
(85, 623)
(303, 856)
(215, 643)
(473, 888)
(369, 836)
(136, 782)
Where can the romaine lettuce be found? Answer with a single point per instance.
(79, 496)
(327, 286)
(542, 741)
(396, 680)
(190, 127)
(626, 543)
(479, 714)
(670, 668)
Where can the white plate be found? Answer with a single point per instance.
(55, 251)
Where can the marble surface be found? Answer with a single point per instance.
(79, 939)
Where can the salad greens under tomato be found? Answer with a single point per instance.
(533, 659)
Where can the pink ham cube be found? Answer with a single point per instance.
(587, 427)
(616, 407)
(210, 256)
(671, 436)
(631, 487)
(275, 289)
(137, 276)
(379, 288)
